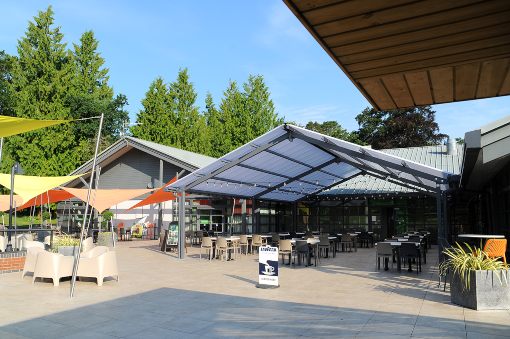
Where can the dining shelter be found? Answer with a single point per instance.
(291, 164)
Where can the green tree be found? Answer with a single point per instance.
(399, 128)
(331, 128)
(41, 80)
(260, 106)
(191, 125)
(237, 122)
(156, 122)
(219, 141)
(6, 102)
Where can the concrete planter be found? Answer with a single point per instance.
(67, 250)
(489, 290)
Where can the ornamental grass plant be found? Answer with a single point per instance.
(464, 259)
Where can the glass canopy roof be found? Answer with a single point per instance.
(290, 163)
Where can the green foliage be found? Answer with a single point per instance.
(49, 81)
(463, 260)
(170, 116)
(398, 128)
(6, 103)
(333, 129)
(105, 239)
(62, 241)
(46, 215)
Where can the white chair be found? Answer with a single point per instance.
(3, 243)
(20, 240)
(29, 243)
(31, 259)
(87, 244)
(47, 240)
(207, 245)
(98, 263)
(53, 266)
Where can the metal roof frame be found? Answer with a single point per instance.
(290, 163)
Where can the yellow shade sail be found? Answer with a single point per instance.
(102, 199)
(28, 187)
(13, 125)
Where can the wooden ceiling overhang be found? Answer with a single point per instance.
(403, 53)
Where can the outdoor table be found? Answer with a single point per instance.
(482, 237)
(229, 239)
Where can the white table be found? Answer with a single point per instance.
(481, 236)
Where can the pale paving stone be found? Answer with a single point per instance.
(160, 296)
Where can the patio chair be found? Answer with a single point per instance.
(28, 244)
(223, 247)
(383, 249)
(3, 243)
(496, 248)
(346, 242)
(285, 249)
(275, 239)
(366, 240)
(53, 266)
(256, 242)
(324, 246)
(243, 242)
(410, 252)
(98, 263)
(31, 259)
(87, 244)
(20, 240)
(302, 251)
(207, 245)
(444, 245)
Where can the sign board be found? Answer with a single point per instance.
(268, 266)
(173, 235)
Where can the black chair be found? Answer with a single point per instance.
(346, 242)
(275, 239)
(445, 245)
(366, 240)
(324, 245)
(302, 251)
(410, 252)
(385, 250)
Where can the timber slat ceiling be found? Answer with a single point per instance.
(404, 53)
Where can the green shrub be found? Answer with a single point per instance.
(64, 240)
(462, 261)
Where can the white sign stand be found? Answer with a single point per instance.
(268, 267)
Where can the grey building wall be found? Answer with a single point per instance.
(135, 169)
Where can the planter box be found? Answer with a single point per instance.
(67, 250)
(489, 290)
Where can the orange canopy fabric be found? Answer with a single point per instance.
(5, 201)
(102, 199)
(48, 197)
(159, 196)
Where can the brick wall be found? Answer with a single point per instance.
(12, 261)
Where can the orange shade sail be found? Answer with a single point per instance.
(48, 197)
(5, 201)
(102, 199)
(159, 196)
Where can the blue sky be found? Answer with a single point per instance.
(219, 41)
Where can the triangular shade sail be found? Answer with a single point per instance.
(158, 196)
(102, 199)
(5, 201)
(48, 197)
(29, 187)
(13, 125)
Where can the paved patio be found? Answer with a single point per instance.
(160, 296)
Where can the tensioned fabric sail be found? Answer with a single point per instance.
(13, 125)
(29, 187)
(5, 201)
(102, 199)
(159, 196)
(48, 197)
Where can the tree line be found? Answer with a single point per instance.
(48, 80)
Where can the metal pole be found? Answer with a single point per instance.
(91, 180)
(1, 149)
(160, 207)
(182, 225)
(11, 198)
(440, 225)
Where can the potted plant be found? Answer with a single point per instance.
(477, 281)
(107, 239)
(65, 244)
